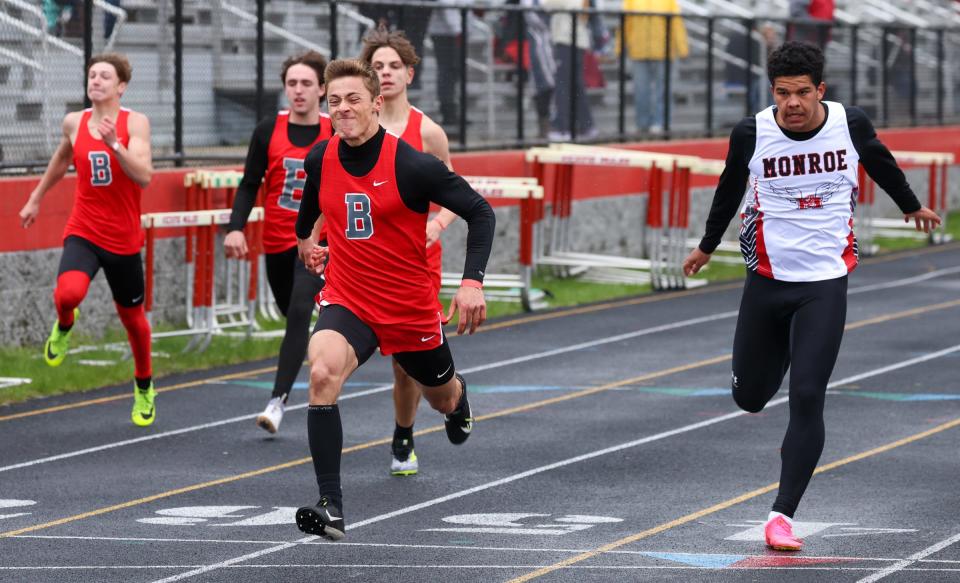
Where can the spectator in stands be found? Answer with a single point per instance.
(646, 45)
(413, 21)
(736, 74)
(815, 33)
(58, 13)
(446, 33)
(543, 67)
(109, 19)
(570, 69)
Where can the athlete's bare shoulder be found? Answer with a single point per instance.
(138, 124)
(435, 139)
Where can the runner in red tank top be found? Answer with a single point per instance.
(375, 191)
(110, 148)
(393, 57)
(275, 160)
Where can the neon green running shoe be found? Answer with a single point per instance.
(55, 349)
(144, 410)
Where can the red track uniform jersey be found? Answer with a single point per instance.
(284, 182)
(413, 136)
(377, 267)
(798, 213)
(106, 207)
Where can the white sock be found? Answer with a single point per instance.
(774, 514)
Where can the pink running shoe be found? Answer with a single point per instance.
(779, 534)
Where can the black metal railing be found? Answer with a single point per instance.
(898, 73)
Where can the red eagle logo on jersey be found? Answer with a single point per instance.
(823, 193)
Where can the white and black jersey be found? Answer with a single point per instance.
(801, 193)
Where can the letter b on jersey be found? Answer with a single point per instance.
(359, 222)
(293, 182)
(100, 169)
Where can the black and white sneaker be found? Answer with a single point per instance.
(459, 424)
(404, 462)
(324, 519)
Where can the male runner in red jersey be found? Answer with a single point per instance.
(393, 57)
(110, 148)
(374, 191)
(275, 157)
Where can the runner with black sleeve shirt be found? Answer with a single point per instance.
(800, 160)
(275, 159)
(374, 192)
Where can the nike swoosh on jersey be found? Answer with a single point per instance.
(375, 183)
(427, 338)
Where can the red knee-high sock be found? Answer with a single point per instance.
(71, 289)
(138, 333)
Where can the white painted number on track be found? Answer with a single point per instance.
(510, 523)
(222, 516)
(9, 503)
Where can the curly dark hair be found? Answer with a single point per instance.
(794, 58)
(395, 39)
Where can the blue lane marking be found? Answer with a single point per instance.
(686, 392)
(901, 396)
(698, 560)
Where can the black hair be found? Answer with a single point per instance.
(793, 58)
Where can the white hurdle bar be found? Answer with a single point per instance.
(201, 289)
(503, 286)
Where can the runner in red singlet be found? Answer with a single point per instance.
(393, 58)
(375, 191)
(110, 148)
(275, 159)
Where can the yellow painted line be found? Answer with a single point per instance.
(728, 503)
(561, 313)
(100, 400)
(358, 447)
(432, 429)
(903, 314)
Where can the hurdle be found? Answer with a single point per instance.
(506, 287)
(204, 313)
(938, 164)
(666, 245)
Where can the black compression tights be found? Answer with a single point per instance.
(795, 325)
(294, 288)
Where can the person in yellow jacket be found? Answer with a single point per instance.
(646, 44)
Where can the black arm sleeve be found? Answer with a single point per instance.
(253, 171)
(733, 183)
(310, 201)
(879, 162)
(423, 178)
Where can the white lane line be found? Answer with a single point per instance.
(458, 548)
(482, 367)
(904, 564)
(555, 465)
(448, 566)
(905, 281)
(379, 389)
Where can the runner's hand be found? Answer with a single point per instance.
(434, 228)
(472, 306)
(29, 212)
(235, 244)
(695, 262)
(925, 219)
(108, 131)
(318, 259)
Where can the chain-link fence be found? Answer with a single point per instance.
(493, 75)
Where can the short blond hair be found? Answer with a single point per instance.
(353, 68)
